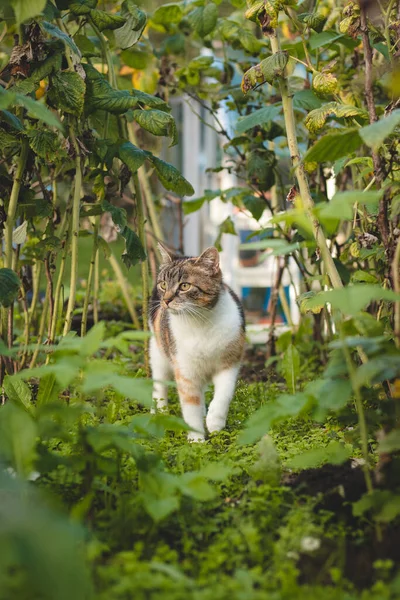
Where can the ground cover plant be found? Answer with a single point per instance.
(300, 496)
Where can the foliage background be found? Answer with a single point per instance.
(299, 497)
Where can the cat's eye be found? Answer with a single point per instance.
(163, 285)
(185, 287)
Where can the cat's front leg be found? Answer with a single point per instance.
(161, 371)
(224, 384)
(191, 397)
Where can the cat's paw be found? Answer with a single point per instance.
(215, 423)
(195, 436)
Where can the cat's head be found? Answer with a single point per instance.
(185, 284)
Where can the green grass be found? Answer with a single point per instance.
(156, 526)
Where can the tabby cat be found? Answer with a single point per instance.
(199, 335)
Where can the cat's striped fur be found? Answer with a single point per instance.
(199, 334)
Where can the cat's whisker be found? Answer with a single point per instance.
(193, 310)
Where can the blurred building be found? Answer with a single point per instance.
(251, 274)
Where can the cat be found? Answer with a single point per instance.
(199, 335)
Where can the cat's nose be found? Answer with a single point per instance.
(168, 299)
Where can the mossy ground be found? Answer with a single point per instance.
(292, 539)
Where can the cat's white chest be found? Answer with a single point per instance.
(200, 345)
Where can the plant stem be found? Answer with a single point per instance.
(383, 223)
(144, 268)
(74, 234)
(36, 288)
(57, 293)
(301, 176)
(96, 285)
(12, 205)
(124, 289)
(26, 327)
(107, 55)
(95, 249)
(361, 418)
(41, 331)
(386, 31)
(144, 182)
(50, 289)
(396, 284)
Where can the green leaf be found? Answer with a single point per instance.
(101, 96)
(204, 19)
(227, 226)
(334, 453)
(267, 71)
(82, 7)
(290, 366)
(9, 286)
(150, 101)
(57, 33)
(48, 390)
(39, 111)
(18, 434)
(303, 302)
(171, 178)
(375, 134)
(137, 59)
(132, 156)
(216, 471)
(264, 418)
(306, 100)
(27, 9)
(353, 298)
(92, 341)
(330, 395)
(86, 45)
(104, 247)
(18, 392)
(7, 98)
(260, 168)
(258, 117)
(134, 251)
(267, 468)
(316, 119)
(127, 35)
(249, 42)
(195, 486)
(334, 145)
(190, 206)
(45, 144)
(136, 389)
(19, 234)
(363, 277)
(12, 120)
(159, 508)
(255, 205)
(390, 443)
(45, 68)
(167, 13)
(8, 142)
(157, 122)
(105, 20)
(378, 368)
(118, 214)
(277, 246)
(341, 205)
(67, 92)
(384, 505)
(324, 38)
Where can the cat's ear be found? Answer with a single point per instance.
(166, 255)
(210, 259)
